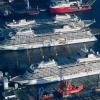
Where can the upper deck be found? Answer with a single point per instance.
(45, 40)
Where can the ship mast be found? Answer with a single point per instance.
(80, 1)
(28, 4)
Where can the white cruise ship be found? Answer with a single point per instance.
(29, 40)
(52, 72)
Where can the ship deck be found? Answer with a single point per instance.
(45, 40)
(56, 73)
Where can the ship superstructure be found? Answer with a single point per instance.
(66, 18)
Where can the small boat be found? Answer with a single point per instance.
(74, 89)
(68, 88)
(63, 90)
(21, 23)
(61, 7)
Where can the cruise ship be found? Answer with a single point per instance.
(29, 41)
(48, 72)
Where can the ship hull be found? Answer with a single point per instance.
(68, 9)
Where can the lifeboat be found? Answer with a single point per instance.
(61, 7)
(70, 89)
(74, 89)
(64, 89)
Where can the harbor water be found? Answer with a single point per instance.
(22, 59)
